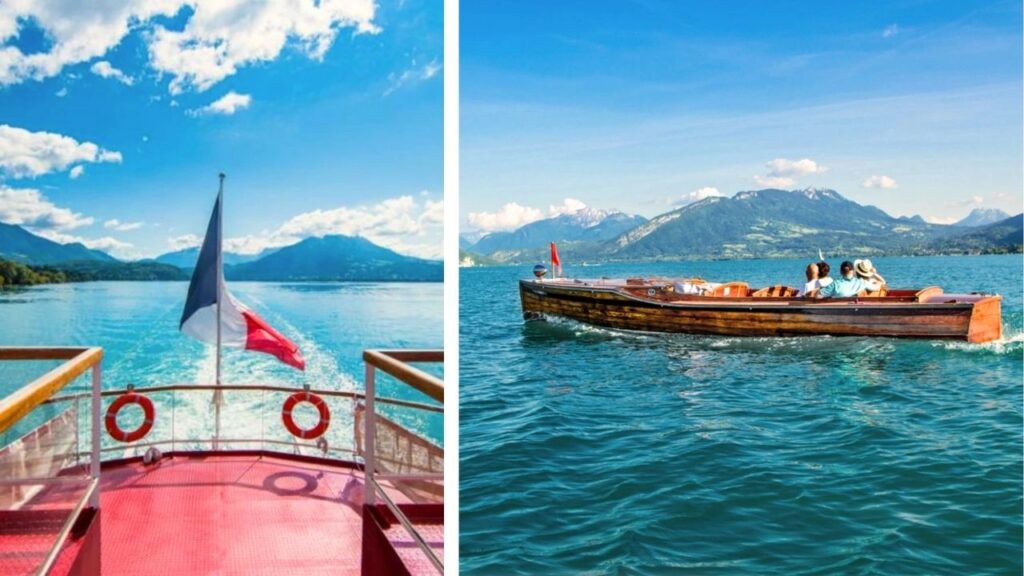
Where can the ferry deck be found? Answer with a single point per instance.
(143, 481)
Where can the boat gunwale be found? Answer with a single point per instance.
(766, 304)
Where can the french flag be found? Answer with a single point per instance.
(239, 326)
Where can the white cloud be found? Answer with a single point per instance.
(774, 181)
(879, 182)
(940, 219)
(108, 156)
(782, 172)
(78, 31)
(221, 37)
(104, 69)
(969, 202)
(568, 206)
(184, 241)
(433, 212)
(217, 39)
(225, 105)
(431, 69)
(513, 215)
(508, 217)
(24, 153)
(403, 224)
(109, 244)
(890, 31)
(698, 195)
(116, 224)
(76, 172)
(29, 208)
(61, 93)
(412, 75)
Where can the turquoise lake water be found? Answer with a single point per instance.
(593, 451)
(137, 325)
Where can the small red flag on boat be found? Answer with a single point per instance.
(556, 264)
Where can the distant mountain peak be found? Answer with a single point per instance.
(586, 224)
(819, 193)
(589, 217)
(982, 217)
(20, 245)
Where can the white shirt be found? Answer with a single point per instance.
(813, 285)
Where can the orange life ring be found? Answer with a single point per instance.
(321, 407)
(121, 401)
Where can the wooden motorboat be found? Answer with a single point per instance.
(734, 309)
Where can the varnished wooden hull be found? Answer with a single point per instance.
(972, 318)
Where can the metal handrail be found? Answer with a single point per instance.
(256, 387)
(404, 521)
(395, 363)
(175, 441)
(65, 530)
(18, 404)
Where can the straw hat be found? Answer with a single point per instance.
(864, 268)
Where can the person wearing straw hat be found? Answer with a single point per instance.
(866, 270)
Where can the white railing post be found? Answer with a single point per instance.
(94, 465)
(369, 439)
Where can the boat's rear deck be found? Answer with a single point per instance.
(229, 515)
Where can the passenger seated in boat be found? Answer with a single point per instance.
(812, 282)
(866, 271)
(823, 278)
(689, 287)
(847, 285)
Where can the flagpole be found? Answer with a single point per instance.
(217, 394)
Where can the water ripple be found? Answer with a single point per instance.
(593, 451)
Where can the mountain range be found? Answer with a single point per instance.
(324, 259)
(585, 225)
(186, 259)
(769, 223)
(20, 245)
(337, 258)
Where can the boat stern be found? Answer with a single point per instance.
(986, 322)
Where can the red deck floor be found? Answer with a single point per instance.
(231, 515)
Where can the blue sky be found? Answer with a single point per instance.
(326, 116)
(913, 106)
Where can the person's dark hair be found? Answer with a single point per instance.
(823, 269)
(846, 266)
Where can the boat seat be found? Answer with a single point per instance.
(924, 293)
(777, 291)
(731, 289)
(880, 293)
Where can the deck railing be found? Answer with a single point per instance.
(41, 451)
(181, 420)
(397, 364)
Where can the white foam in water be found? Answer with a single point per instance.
(1007, 344)
(256, 415)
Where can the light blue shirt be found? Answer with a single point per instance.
(845, 287)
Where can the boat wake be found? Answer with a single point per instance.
(1011, 343)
